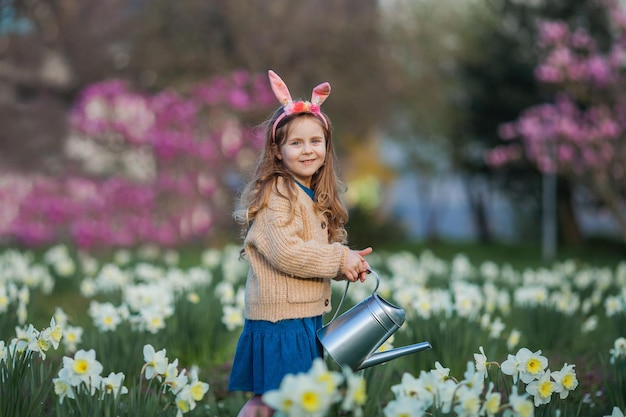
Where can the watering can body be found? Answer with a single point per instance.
(353, 338)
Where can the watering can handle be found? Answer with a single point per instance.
(345, 291)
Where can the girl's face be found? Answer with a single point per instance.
(304, 150)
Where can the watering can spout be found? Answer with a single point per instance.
(380, 357)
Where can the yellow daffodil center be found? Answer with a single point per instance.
(56, 333)
(526, 409)
(533, 366)
(545, 389)
(183, 406)
(80, 366)
(43, 344)
(327, 379)
(360, 396)
(472, 404)
(492, 404)
(196, 392)
(310, 401)
(569, 381)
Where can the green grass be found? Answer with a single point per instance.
(597, 252)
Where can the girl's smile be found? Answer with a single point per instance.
(304, 149)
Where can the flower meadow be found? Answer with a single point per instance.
(152, 332)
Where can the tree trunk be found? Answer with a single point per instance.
(569, 229)
(475, 196)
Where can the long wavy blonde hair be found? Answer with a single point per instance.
(325, 182)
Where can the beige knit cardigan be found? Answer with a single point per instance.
(291, 260)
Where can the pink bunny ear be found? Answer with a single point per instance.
(320, 93)
(279, 88)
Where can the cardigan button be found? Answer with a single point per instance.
(323, 225)
(326, 302)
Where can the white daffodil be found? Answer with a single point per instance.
(329, 379)
(404, 407)
(542, 388)
(441, 374)
(22, 312)
(531, 365)
(4, 299)
(480, 360)
(619, 349)
(83, 368)
(565, 380)
(178, 383)
(184, 402)
(54, 333)
(88, 288)
(112, 277)
(62, 385)
(152, 319)
(521, 405)
(72, 337)
(468, 403)
(613, 305)
(310, 395)
(232, 317)
(60, 317)
(112, 384)
(3, 351)
(496, 328)
(590, 324)
(156, 362)
(148, 272)
(26, 338)
(122, 256)
(280, 399)
(105, 316)
(493, 400)
(225, 291)
(441, 300)
(511, 367)
(211, 258)
(356, 393)
(424, 388)
(468, 299)
(423, 306)
(513, 340)
(409, 386)
(193, 297)
(197, 388)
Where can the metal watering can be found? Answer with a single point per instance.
(353, 338)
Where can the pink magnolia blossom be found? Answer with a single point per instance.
(189, 142)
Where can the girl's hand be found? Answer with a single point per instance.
(356, 267)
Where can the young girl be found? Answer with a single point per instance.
(293, 219)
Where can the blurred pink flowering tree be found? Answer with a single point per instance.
(581, 134)
(141, 168)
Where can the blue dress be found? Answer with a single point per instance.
(267, 351)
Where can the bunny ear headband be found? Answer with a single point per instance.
(319, 94)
